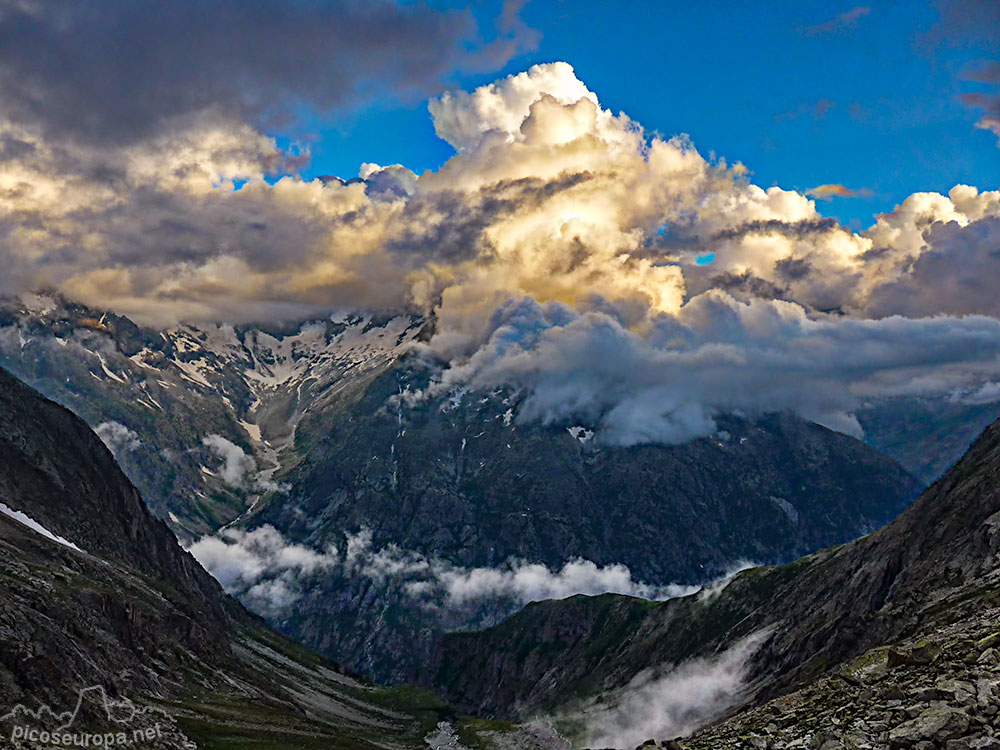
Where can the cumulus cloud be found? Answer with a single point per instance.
(269, 573)
(117, 437)
(716, 355)
(669, 703)
(560, 250)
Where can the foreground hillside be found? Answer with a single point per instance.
(926, 584)
(99, 597)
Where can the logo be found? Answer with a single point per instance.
(96, 721)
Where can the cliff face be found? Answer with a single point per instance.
(936, 563)
(57, 472)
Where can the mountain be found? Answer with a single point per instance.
(868, 625)
(155, 396)
(327, 436)
(927, 436)
(107, 624)
(458, 483)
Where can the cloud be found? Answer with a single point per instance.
(260, 567)
(975, 24)
(827, 192)
(116, 71)
(817, 109)
(516, 581)
(117, 437)
(270, 574)
(668, 703)
(667, 382)
(236, 464)
(840, 23)
(968, 22)
(987, 102)
(557, 250)
(464, 119)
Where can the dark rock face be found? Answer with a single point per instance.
(937, 561)
(129, 614)
(455, 479)
(66, 479)
(56, 471)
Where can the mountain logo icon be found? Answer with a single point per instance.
(96, 720)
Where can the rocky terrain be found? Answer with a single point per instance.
(465, 485)
(156, 396)
(99, 600)
(938, 690)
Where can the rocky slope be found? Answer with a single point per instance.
(101, 604)
(934, 566)
(939, 690)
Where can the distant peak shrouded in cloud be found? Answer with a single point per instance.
(561, 250)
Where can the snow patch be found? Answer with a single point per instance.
(35, 526)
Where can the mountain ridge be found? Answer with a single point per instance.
(934, 564)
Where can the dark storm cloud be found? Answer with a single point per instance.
(449, 226)
(795, 230)
(116, 70)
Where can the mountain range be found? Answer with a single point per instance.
(330, 435)
(100, 592)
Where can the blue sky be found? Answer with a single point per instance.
(803, 94)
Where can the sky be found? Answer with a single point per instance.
(804, 94)
(640, 216)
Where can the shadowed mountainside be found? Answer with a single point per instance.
(936, 563)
